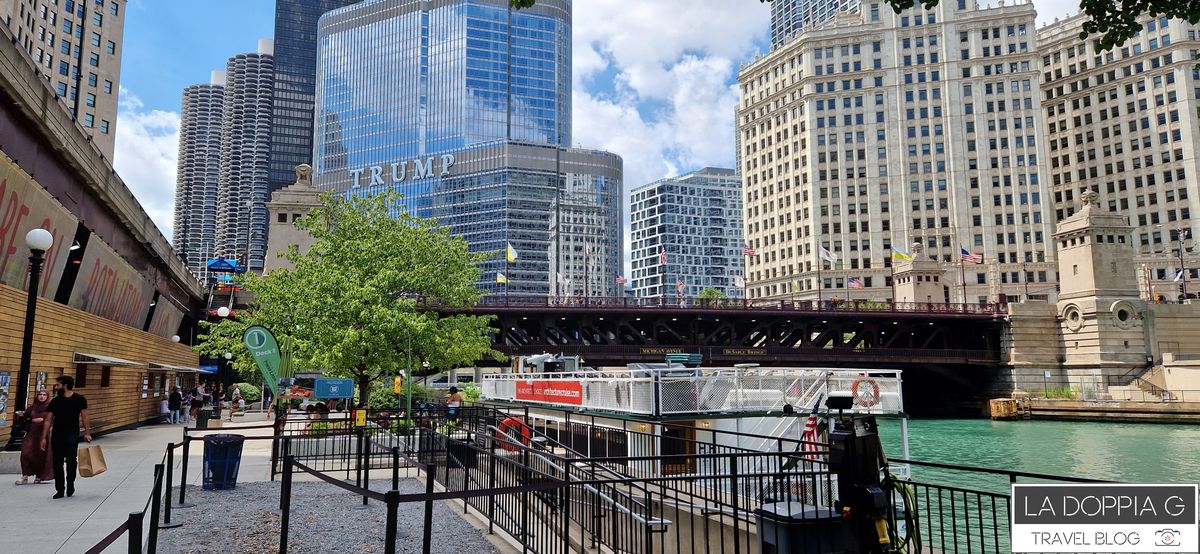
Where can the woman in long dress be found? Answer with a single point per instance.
(35, 461)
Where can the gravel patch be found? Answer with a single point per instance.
(324, 518)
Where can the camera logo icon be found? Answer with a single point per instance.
(1166, 537)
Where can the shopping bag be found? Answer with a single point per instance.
(91, 461)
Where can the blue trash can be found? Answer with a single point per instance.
(222, 458)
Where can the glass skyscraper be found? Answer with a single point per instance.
(295, 81)
(790, 17)
(420, 97)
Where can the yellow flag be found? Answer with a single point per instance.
(500, 278)
(512, 252)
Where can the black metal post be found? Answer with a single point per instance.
(427, 532)
(358, 460)
(733, 495)
(285, 503)
(366, 457)
(135, 532)
(395, 468)
(166, 496)
(392, 498)
(183, 471)
(35, 273)
(492, 458)
(155, 509)
(287, 473)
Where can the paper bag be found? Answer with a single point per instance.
(91, 461)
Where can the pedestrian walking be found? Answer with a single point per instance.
(175, 404)
(35, 459)
(61, 433)
(197, 401)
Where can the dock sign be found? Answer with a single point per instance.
(333, 388)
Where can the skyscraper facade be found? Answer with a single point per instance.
(242, 190)
(295, 79)
(77, 45)
(198, 172)
(421, 98)
(878, 130)
(400, 78)
(1124, 123)
(790, 17)
(696, 220)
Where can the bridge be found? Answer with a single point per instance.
(621, 330)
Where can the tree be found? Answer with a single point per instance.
(1115, 22)
(359, 303)
(710, 296)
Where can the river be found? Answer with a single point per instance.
(1128, 452)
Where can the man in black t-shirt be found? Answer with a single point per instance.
(67, 410)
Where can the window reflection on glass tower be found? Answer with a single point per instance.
(789, 17)
(420, 97)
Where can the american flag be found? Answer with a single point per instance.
(971, 257)
(748, 250)
(854, 283)
(810, 436)
(620, 281)
(662, 255)
(679, 286)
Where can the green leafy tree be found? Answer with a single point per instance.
(1115, 22)
(710, 297)
(357, 304)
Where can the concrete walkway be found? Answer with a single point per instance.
(32, 523)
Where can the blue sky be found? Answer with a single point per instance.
(654, 80)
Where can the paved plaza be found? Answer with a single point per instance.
(32, 523)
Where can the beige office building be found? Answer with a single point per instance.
(76, 45)
(1125, 123)
(881, 129)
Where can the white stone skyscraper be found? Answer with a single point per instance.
(242, 192)
(198, 172)
(877, 130)
(1124, 123)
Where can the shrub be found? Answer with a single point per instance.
(1063, 393)
(472, 392)
(251, 393)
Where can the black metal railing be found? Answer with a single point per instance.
(690, 303)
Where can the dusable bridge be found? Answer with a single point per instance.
(617, 331)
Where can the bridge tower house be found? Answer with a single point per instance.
(919, 279)
(1100, 313)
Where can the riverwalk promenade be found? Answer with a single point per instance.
(32, 523)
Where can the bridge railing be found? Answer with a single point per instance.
(828, 305)
(683, 390)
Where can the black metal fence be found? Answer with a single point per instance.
(569, 485)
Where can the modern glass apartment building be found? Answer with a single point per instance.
(397, 79)
(420, 97)
(198, 172)
(295, 81)
(697, 220)
(790, 17)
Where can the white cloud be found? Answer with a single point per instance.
(655, 81)
(145, 157)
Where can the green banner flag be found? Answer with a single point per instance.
(265, 351)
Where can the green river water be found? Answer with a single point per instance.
(1128, 452)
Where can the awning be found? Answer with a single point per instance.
(176, 368)
(96, 359)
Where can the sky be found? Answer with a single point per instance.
(654, 80)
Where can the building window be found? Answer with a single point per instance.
(90, 100)
(61, 89)
(98, 19)
(88, 120)
(92, 79)
(81, 376)
(105, 376)
(111, 48)
(96, 40)
(64, 68)
(281, 218)
(104, 126)
(113, 8)
(94, 59)
(107, 87)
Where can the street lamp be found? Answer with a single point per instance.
(223, 312)
(39, 241)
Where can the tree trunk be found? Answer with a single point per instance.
(364, 386)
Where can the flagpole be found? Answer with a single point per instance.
(962, 274)
(892, 263)
(745, 274)
(820, 265)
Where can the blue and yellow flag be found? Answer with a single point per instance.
(500, 278)
(511, 253)
(899, 254)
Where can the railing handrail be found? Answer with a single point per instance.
(694, 303)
